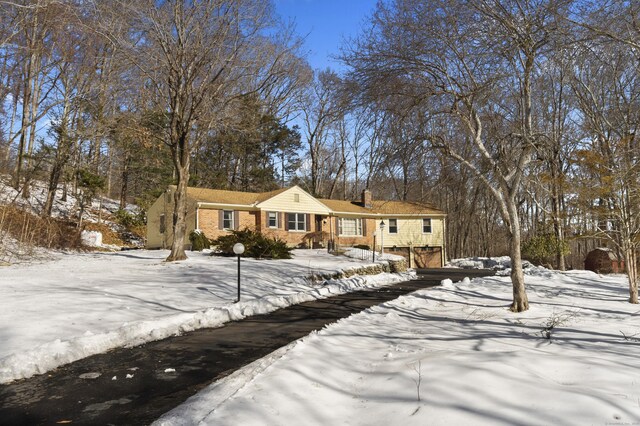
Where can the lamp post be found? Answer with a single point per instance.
(238, 249)
(382, 225)
(375, 234)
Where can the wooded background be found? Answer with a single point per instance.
(463, 104)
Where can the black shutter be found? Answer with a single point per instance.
(364, 227)
(307, 224)
(286, 221)
(236, 220)
(221, 219)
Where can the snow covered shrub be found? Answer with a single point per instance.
(257, 245)
(199, 241)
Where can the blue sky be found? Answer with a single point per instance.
(325, 23)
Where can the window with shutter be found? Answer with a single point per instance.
(296, 221)
(272, 219)
(227, 219)
(350, 226)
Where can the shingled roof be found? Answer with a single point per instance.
(220, 196)
(379, 207)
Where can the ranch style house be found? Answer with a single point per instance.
(414, 230)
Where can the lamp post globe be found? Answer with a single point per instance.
(238, 248)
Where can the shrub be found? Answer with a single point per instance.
(540, 249)
(31, 231)
(257, 245)
(362, 246)
(129, 220)
(199, 241)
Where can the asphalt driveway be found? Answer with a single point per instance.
(135, 386)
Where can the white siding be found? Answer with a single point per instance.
(285, 202)
(410, 233)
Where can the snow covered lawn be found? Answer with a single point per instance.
(77, 305)
(452, 355)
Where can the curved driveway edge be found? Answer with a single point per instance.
(137, 385)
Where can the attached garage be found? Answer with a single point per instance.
(428, 257)
(421, 257)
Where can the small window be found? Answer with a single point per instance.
(272, 219)
(426, 226)
(393, 226)
(297, 221)
(350, 227)
(296, 198)
(227, 219)
(163, 224)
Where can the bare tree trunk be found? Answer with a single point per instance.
(181, 159)
(109, 169)
(23, 128)
(34, 114)
(520, 300)
(334, 182)
(125, 183)
(63, 153)
(179, 215)
(631, 264)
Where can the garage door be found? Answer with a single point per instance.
(430, 257)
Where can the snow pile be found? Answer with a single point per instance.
(501, 265)
(451, 355)
(91, 238)
(83, 304)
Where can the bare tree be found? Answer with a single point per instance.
(608, 91)
(32, 44)
(545, 203)
(198, 58)
(76, 74)
(321, 110)
(469, 67)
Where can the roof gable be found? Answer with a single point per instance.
(294, 199)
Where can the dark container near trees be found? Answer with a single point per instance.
(603, 261)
